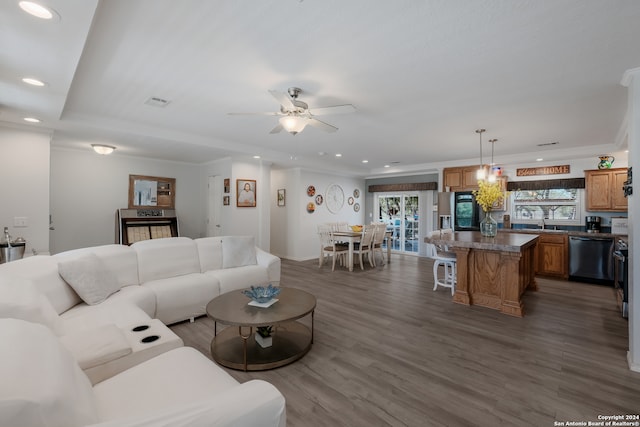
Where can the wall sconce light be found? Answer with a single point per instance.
(103, 149)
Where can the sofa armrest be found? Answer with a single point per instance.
(272, 263)
(255, 403)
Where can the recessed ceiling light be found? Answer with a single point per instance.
(256, 157)
(31, 120)
(33, 82)
(37, 10)
(539, 159)
(387, 166)
(365, 161)
(338, 155)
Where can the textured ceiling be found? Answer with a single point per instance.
(423, 75)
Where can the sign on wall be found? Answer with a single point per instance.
(544, 170)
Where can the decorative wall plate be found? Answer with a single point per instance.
(311, 207)
(311, 191)
(350, 201)
(319, 199)
(356, 207)
(356, 193)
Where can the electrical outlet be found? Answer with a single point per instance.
(20, 221)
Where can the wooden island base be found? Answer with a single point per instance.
(493, 272)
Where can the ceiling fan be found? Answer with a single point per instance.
(295, 114)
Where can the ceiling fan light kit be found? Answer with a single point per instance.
(293, 124)
(296, 114)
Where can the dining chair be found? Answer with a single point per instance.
(365, 245)
(378, 240)
(330, 248)
(449, 264)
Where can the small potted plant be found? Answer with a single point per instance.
(263, 336)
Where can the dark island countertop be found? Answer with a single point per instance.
(504, 241)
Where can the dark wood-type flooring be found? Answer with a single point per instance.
(391, 351)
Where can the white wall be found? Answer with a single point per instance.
(24, 174)
(296, 237)
(87, 189)
(632, 80)
(245, 221)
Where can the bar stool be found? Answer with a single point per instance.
(449, 264)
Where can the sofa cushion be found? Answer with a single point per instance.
(169, 257)
(240, 277)
(19, 299)
(122, 260)
(238, 251)
(42, 385)
(94, 347)
(183, 297)
(210, 253)
(169, 380)
(90, 277)
(42, 271)
(83, 316)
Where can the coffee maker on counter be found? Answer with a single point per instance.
(592, 224)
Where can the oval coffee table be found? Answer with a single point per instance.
(236, 348)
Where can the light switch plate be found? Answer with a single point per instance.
(20, 221)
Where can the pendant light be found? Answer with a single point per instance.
(492, 176)
(481, 174)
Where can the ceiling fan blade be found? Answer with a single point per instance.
(322, 125)
(283, 99)
(277, 129)
(334, 109)
(255, 114)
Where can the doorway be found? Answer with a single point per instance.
(401, 213)
(214, 207)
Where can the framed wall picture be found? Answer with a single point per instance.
(246, 193)
(282, 197)
(227, 185)
(225, 200)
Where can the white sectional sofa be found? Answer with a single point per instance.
(109, 306)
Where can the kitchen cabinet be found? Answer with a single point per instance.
(552, 255)
(604, 190)
(461, 178)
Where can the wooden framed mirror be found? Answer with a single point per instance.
(151, 192)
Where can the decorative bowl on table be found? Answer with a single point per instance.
(262, 294)
(357, 228)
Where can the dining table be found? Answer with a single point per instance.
(351, 237)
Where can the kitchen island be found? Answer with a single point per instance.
(492, 272)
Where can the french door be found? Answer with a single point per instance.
(400, 211)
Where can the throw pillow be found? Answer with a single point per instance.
(19, 299)
(238, 251)
(89, 277)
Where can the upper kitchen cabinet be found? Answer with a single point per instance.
(604, 189)
(460, 178)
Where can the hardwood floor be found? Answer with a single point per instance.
(390, 351)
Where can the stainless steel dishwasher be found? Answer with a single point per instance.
(591, 259)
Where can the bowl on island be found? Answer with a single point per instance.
(357, 228)
(262, 294)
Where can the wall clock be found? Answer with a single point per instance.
(334, 198)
